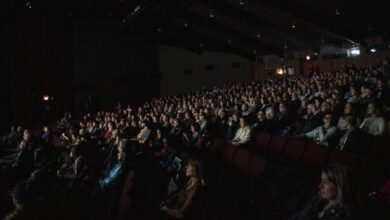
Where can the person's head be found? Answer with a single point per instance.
(123, 145)
(19, 129)
(350, 121)
(348, 108)
(195, 128)
(193, 170)
(269, 113)
(327, 119)
(372, 109)
(260, 115)
(338, 185)
(26, 135)
(243, 122)
(282, 108)
(325, 106)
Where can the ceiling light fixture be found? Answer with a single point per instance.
(242, 2)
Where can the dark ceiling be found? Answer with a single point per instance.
(248, 28)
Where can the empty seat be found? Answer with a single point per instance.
(343, 157)
(294, 150)
(315, 155)
(255, 166)
(262, 141)
(228, 153)
(217, 145)
(277, 145)
(240, 160)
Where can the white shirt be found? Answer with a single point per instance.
(243, 135)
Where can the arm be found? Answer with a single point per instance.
(180, 212)
(246, 137)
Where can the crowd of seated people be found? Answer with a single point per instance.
(342, 110)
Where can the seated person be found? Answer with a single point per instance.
(116, 170)
(193, 139)
(260, 122)
(348, 110)
(182, 205)
(77, 167)
(25, 206)
(337, 199)
(243, 134)
(373, 124)
(353, 138)
(322, 134)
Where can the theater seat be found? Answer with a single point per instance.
(294, 150)
(228, 153)
(262, 141)
(343, 157)
(240, 160)
(217, 145)
(277, 146)
(124, 200)
(315, 155)
(256, 166)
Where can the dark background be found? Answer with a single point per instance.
(67, 58)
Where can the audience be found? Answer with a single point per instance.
(159, 136)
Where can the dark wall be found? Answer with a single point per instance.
(38, 62)
(112, 67)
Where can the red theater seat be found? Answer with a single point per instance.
(277, 145)
(315, 155)
(262, 141)
(294, 150)
(217, 145)
(240, 160)
(228, 153)
(256, 166)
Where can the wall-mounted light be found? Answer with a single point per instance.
(373, 50)
(308, 57)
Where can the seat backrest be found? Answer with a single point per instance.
(343, 157)
(240, 160)
(262, 140)
(315, 155)
(256, 165)
(229, 152)
(294, 150)
(277, 145)
(217, 145)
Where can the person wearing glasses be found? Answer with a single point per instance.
(323, 134)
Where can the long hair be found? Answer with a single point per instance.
(198, 172)
(346, 183)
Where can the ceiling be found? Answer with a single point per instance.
(248, 28)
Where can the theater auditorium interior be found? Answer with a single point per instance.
(194, 109)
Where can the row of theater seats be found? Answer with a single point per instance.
(253, 160)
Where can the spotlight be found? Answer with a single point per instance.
(293, 24)
(258, 35)
(373, 50)
(45, 98)
(185, 25)
(242, 2)
(308, 57)
(159, 29)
